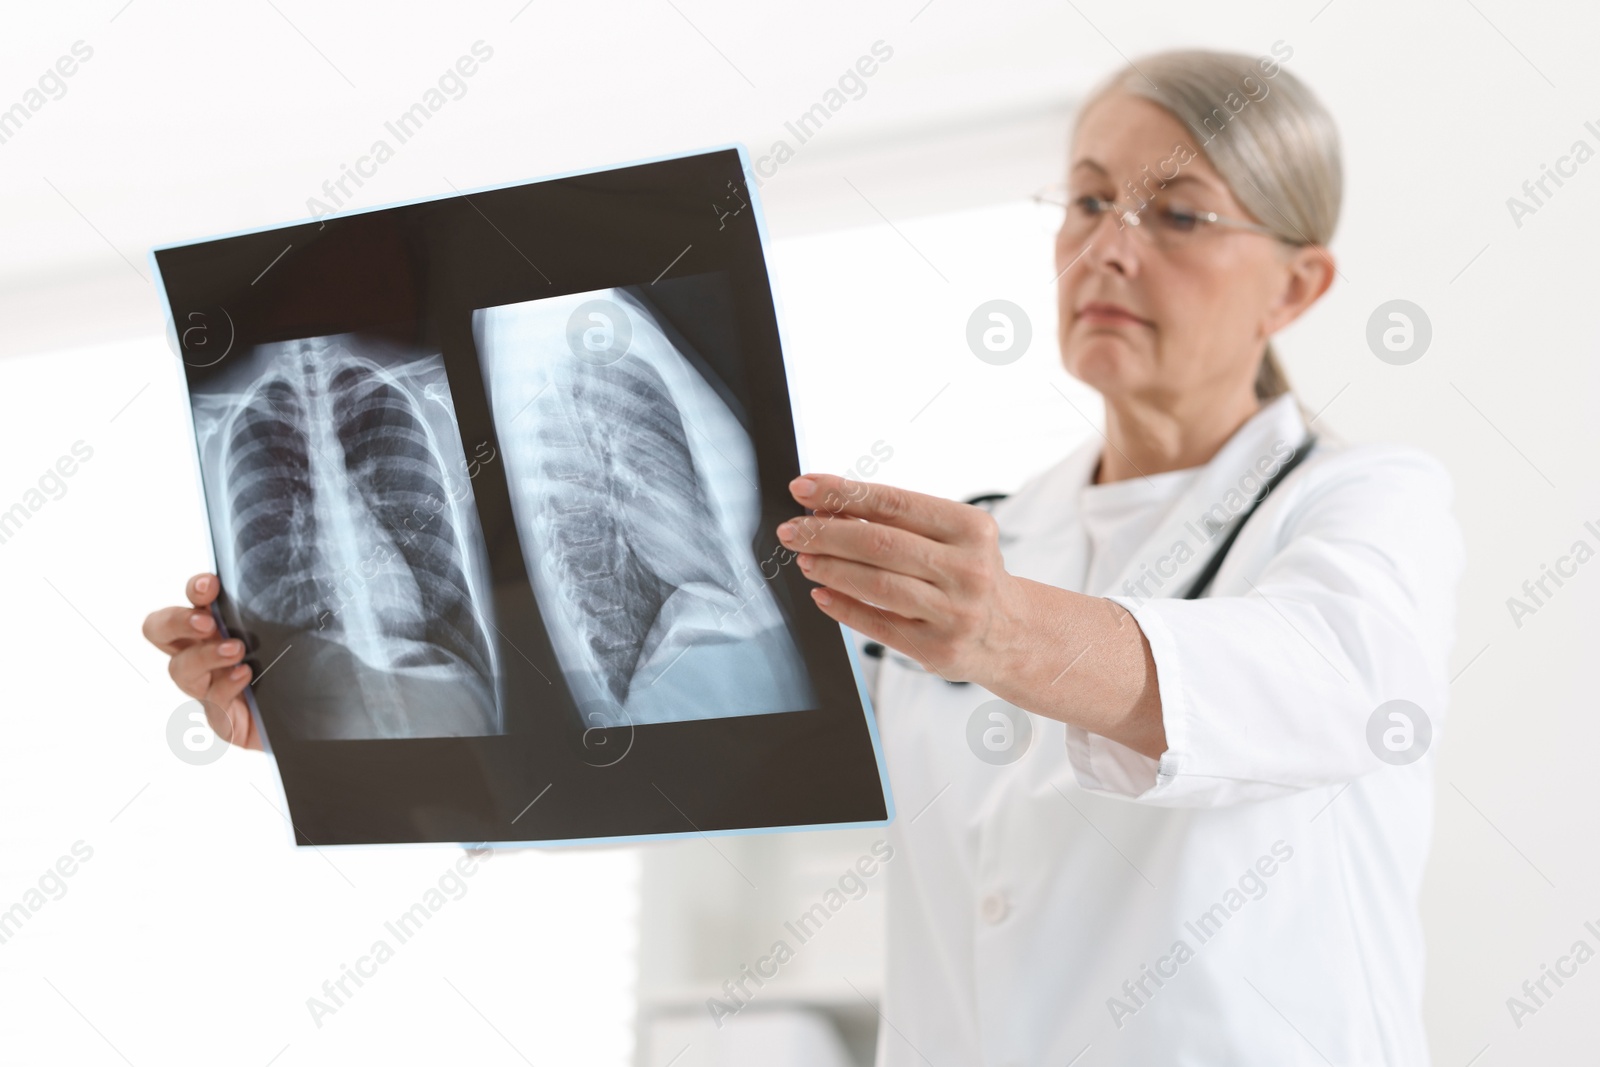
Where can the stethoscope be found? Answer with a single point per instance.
(1197, 588)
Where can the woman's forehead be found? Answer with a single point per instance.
(1122, 118)
(1121, 135)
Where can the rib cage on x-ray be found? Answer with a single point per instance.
(617, 456)
(634, 493)
(346, 535)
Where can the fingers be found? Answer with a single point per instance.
(910, 598)
(227, 712)
(228, 683)
(202, 590)
(931, 516)
(191, 668)
(173, 629)
(204, 664)
(876, 624)
(871, 543)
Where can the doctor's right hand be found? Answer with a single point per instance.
(204, 664)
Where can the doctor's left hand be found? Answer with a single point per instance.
(921, 574)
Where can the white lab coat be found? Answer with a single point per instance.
(1256, 888)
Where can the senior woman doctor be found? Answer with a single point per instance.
(1199, 857)
(1183, 849)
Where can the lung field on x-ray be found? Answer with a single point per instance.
(348, 539)
(615, 462)
(634, 491)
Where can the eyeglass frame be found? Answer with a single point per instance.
(1135, 218)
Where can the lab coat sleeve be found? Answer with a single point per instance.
(1270, 691)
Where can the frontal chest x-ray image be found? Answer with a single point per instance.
(635, 494)
(337, 485)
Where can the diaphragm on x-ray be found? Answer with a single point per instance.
(636, 502)
(336, 483)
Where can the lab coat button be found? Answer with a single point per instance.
(994, 907)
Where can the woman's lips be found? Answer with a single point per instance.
(1105, 315)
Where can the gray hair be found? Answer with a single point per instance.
(1266, 134)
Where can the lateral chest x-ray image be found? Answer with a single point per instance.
(335, 482)
(635, 496)
(493, 484)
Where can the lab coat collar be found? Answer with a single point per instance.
(1045, 509)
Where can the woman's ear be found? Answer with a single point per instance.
(1308, 272)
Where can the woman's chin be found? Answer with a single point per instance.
(1104, 363)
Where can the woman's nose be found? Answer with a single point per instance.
(1113, 249)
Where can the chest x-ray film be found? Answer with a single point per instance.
(332, 469)
(633, 489)
(492, 483)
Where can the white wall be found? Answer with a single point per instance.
(193, 119)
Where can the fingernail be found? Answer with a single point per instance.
(229, 648)
(240, 672)
(822, 596)
(786, 531)
(803, 486)
(202, 585)
(806, 560)
(202, 622)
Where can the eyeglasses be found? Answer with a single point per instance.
(1158, 223)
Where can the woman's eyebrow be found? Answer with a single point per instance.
(1165, 182)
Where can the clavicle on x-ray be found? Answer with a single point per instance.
(347, 540)
(635, 495)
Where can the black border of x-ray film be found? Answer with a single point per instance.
(683, 235)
